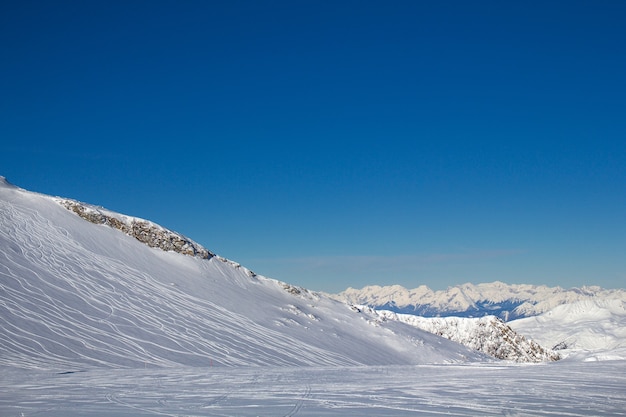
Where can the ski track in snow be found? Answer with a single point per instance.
(566, 389)
(143, 320)
(76, 295)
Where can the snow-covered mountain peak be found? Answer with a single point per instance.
(595, 326)
(507, 301)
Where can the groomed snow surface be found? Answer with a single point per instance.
(558, 389)
(94, 322)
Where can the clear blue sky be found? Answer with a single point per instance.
(335, 143)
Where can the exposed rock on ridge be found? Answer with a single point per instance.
(144, 231)
(488, 335)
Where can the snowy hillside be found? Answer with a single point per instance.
(590, 329)
(488, 335)
(75, 294)
(507, 302)
(85, 292)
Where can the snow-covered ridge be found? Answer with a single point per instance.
(147, 232)
(488, 335)
(592, 328)
(76, 295)
(508, 302)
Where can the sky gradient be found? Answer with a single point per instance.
(335, 144)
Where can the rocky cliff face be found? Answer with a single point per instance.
(144, 231)
(488, 335)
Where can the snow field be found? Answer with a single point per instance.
(95, 323)
(78, 294)
(566, 389)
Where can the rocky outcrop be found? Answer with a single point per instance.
(489, 335)
(144, 231)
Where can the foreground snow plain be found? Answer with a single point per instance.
(567, 388)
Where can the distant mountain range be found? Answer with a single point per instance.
(508, 302)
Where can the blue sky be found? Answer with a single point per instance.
(335, 144)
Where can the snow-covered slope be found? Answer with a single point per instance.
(76, 294)
(591, 329)
(488, 335)
(505, 301)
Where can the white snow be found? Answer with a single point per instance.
(77, 294)
(95, 323)
(589, 330)
(488, 334)
(530, 300)
(558, 389)
(589, 322)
